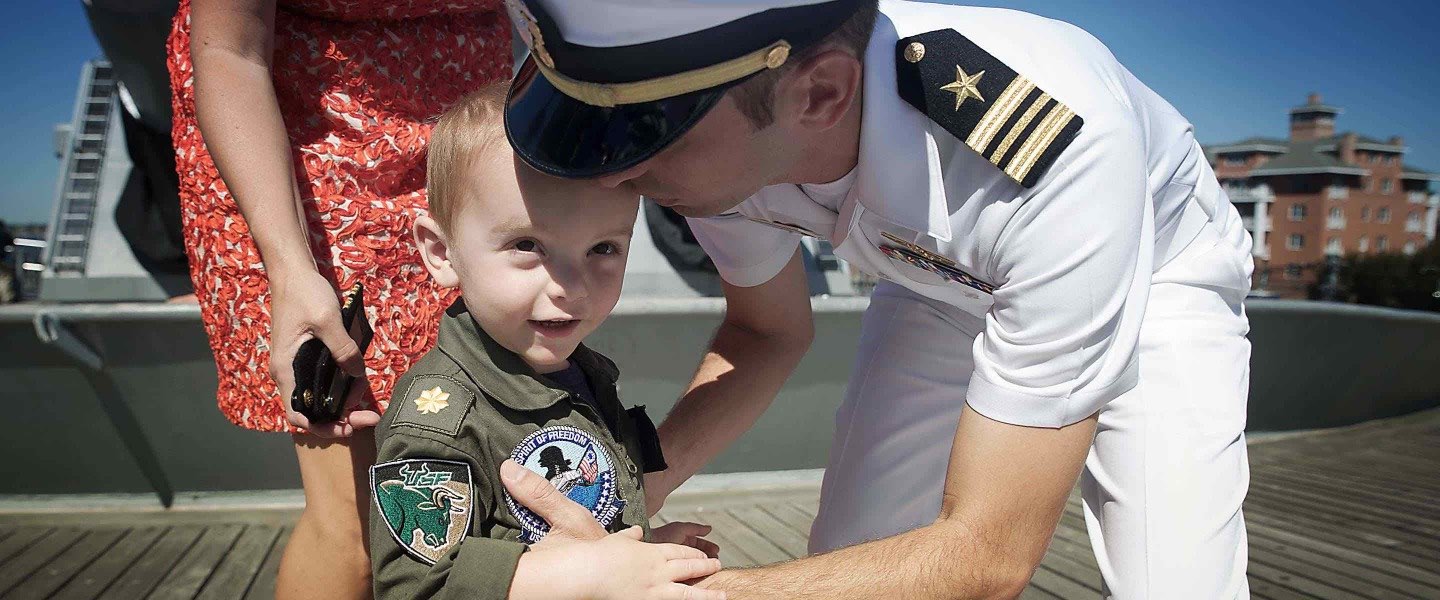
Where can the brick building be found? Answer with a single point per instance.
(1318, 193)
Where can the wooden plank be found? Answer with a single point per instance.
(1334, 482)
(1374, 582)
(190, 574)
(263, 587)
(731, 554)
(750, 542)
(1375, 469)
(98, 574)
(1359, 479)
(50, 577)
(239, 567)
(1378, 507)
(1364, 561)
(1034, 593)
(792, 517)
(20, 540)
(1374, 547)
(1370, 516)
(1303, 584)
(791, 543)
(1361, 527)
(36, 555)
(1307, 512)
(1074, 570)
(1060, 585)
(154, 564)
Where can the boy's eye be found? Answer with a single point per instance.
(527, 246)
(605, 249)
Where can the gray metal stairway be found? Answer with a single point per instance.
(82, 161)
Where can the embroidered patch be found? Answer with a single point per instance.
(577, 465)
(791, 227)
(425, 503)
(943, 266)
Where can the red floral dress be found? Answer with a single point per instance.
(359, 83)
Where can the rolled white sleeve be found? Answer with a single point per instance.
(1060, 341)
(746, 253)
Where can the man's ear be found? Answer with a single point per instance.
(435, 251)
(822, 89)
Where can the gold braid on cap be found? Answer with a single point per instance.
(669, 86)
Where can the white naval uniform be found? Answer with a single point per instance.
(1118, 282)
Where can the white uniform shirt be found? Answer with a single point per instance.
(1062, 270)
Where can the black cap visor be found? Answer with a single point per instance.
(562, 136)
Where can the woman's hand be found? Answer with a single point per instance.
(304, 305)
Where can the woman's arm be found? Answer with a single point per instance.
(231, 42)
(230, 45)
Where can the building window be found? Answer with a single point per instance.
(1369, 184)
(1364, 245)
(1336, 213)
(1297, 212)
(1333, 247)
(1295, 242)
(1382, 244)
(1387, 186)
(1412, 223)
(1409, 248)
(1384, 215)
(1390, 159)
(1365, 214)
(1234, 161)
(1292, 271)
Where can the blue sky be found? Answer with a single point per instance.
(1233, 67)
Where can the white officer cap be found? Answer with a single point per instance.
(609, 83)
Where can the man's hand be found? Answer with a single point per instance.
(569, 522)
(1004, 492)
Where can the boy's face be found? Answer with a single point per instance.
(539, 260)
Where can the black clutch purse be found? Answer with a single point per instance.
(320, 384)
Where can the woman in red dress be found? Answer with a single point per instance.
(316, 113)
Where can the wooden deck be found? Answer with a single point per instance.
(1352, 513)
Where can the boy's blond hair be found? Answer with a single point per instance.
(470, 131)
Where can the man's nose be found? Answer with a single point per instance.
(614, 180)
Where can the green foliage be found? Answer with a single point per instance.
(1393, 280)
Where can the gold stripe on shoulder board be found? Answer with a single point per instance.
(1005, 105)
(1039, 142)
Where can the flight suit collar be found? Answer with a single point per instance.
(899, 176)
(502, 374)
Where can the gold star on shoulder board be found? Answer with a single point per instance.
(964, 86)
(432, 401)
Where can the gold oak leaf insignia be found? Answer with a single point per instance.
(432, 401)
(964, 86)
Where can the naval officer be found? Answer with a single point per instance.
(1061, 277)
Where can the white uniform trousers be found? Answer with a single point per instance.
(1167, 473)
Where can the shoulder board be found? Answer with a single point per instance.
(997, 112)
(432, 402)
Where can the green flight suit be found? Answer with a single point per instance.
(441, 523)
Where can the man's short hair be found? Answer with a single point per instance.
(756, 96)
(470, 131)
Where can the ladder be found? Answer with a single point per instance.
(81, 167)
